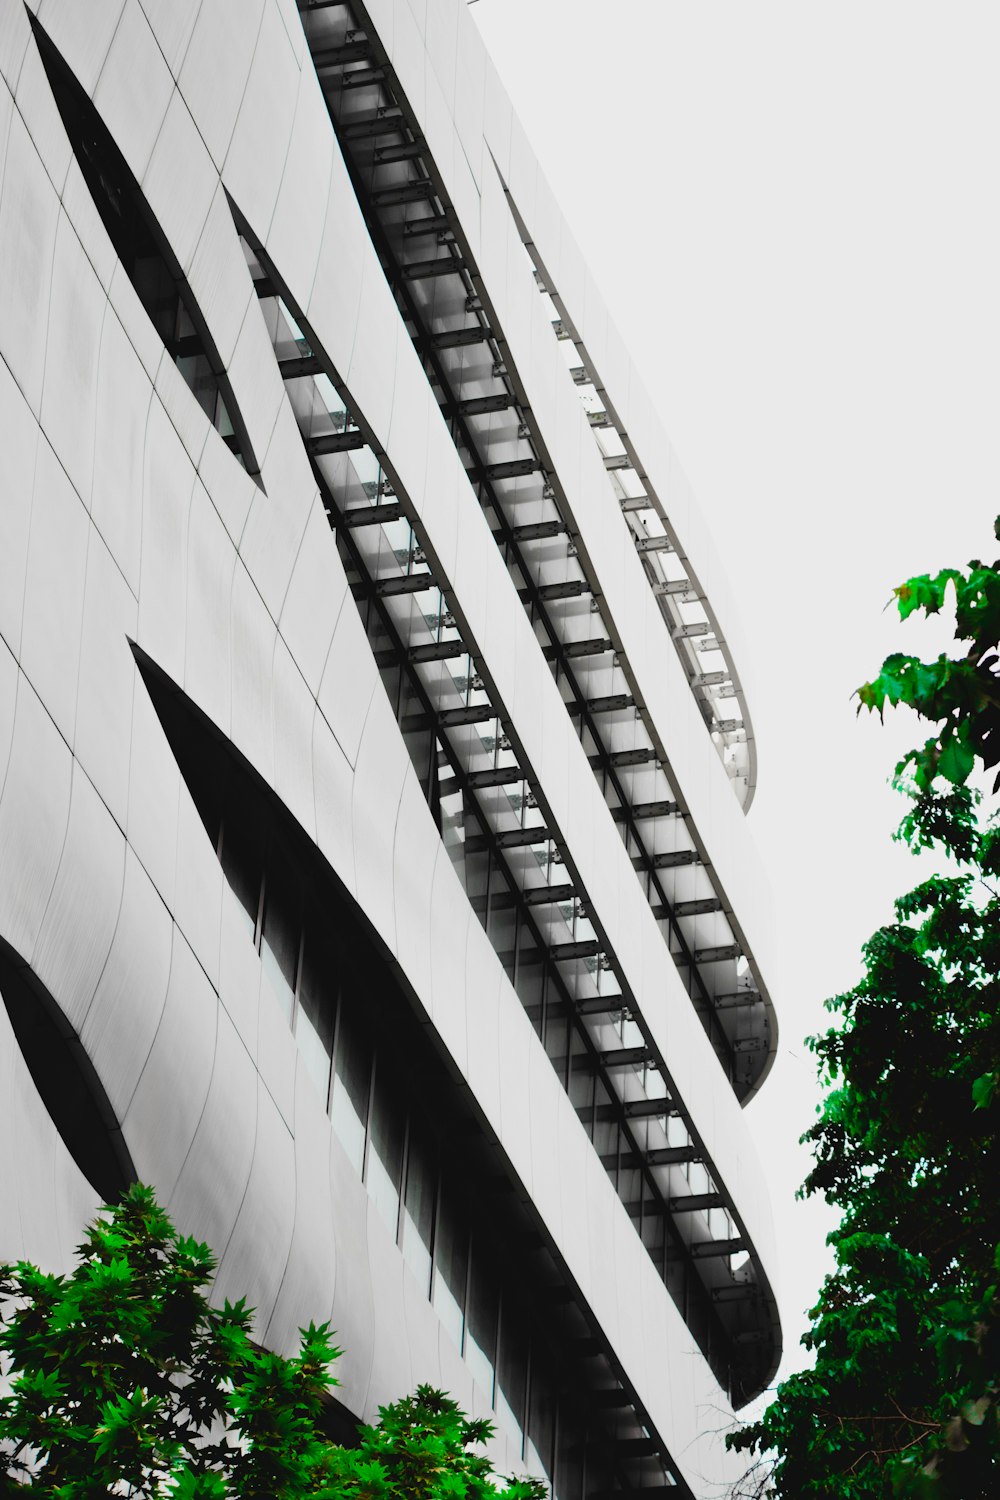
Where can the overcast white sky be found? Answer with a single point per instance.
(792, 210)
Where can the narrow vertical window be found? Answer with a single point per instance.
(481, 1329)
(351, 1087)
(145, 253)
(451, 1262)
(314, 1012)
(418, 1208)
(384, 1169)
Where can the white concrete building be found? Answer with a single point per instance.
(374, 878)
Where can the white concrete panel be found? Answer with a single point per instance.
(456, 1377)
(391, 1375)
(379, 773)
(47, 1199)
(208, 648)
(316, 593)
(254, 1260)
(15, 37)
(470, 93)
(497, 114)
(353, 1315)
(422, 1329)
(153, 792)
(335, 297)
(197, 904)
(69, 390)
(407, 54)
(288, 11)
(170, 1097)
(172, 22)
(277, 1054)
(212, 1182)
(285, 468)
(134, 89)
(40, 114)
(17, 478)
(168, 480)
(128, 1004)
(225, 28)
(441, 42)
(29, 209)
(257, 151)
(367, 375)
(8, 704)
(230, 487)
(349, 680)
(306, 1293)
(296, 231)
(135, 320)
(83, 34)
(437, 121)
(180, 181)
(219, 279)
(53, 592)
(34, 813)
(253, 652)
(294, 709)
(444, 494)
(256, 382)
(333, 777)
(107, 677)
(465, 199)
(80, 920)
(495, 245)
(522, 179)
(414, 855)
(81, 210)
(239, 971)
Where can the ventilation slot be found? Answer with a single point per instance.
(146, 255)
(66, 1080)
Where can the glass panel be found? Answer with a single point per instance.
(351, 1082)
(481, 1331)
(418, 1207)
(316, 1010)
(451, 1251)
(384, 1168)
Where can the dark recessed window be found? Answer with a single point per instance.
(65, 1079)
(145, 253)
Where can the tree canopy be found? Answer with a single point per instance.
(904, 1395)
(125, 1380)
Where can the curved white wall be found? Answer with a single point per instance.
(123, 517)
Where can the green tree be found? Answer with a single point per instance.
(904, 1396)
(124, 1380)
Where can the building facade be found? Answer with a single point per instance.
(374, 878)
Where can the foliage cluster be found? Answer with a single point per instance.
(125, 1380)
(904, 1396)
